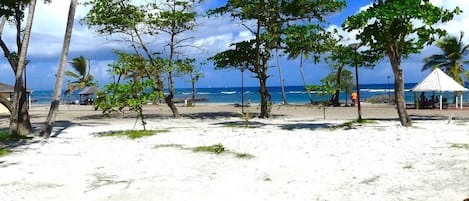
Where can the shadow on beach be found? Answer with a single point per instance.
(309, 126)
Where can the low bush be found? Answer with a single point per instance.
(133, 134)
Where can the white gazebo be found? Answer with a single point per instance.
(439, 81)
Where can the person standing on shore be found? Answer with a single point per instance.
(354, 98)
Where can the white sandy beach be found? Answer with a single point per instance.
(296, 157)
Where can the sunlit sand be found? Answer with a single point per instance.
(296, 155)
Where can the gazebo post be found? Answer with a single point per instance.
(441, 101)
(457, 102)
(460, 102)
(418, 100)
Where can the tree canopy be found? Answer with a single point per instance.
(397, 29)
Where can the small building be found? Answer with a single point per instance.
(87, 95)
(7, 91)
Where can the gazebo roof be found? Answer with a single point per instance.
(89, 90)
(437, 80)
(6, 88)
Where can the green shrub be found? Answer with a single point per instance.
(460, 146)
(4, 151)
(244, 155)
(216, 148)
(6, 138)
(133, 134)
(245, 117)
(357, 121)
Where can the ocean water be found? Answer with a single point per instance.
(295, 94)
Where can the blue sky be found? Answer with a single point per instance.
(213, 35)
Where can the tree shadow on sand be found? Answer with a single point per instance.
(241, 124)
(60, 126)
(211, 115)
(309, 126)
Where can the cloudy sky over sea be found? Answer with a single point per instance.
(213, 35)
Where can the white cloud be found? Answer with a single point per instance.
(348, 37)
(244, 35)
(460, 22)
(363, 8)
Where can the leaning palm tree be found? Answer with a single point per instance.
(451, 61)
(81, 74)
(54, 107)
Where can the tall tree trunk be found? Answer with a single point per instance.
(282, 87)
(335, 100)
(19, 120)
(170, 96)
(261, 70)
(194, 91)
(265, 96)
(302, 72)
(395, 60)
(54, 107)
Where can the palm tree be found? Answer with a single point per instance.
(82, 74)
(451, 60)
(54, 107)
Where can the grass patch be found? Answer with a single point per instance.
(216, 148)
(370, 180)
(356, 121)
(408, 166)
(4, 152)
(244, 155)
(133, 134)
(5, 137)
(460, 146)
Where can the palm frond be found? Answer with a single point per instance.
(434, 61)
(71, 74)
(79, 65)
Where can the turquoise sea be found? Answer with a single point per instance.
(295, 94)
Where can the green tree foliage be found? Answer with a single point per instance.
(14, 12)
(451, 61)
(187, 67)
(175, 17)
(126, 93)
(266, 20)
(305, 42)
(82, 74)
(139, 23)
(342, 80)
(242, 57)
(390, 28)
(340, 57)
(324, 89)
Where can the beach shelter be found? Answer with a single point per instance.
(7, 91)
(439, 81)
(87, 94)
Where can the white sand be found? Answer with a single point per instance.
(294, 160)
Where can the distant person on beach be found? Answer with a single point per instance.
(423, 99)
(354, 98)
